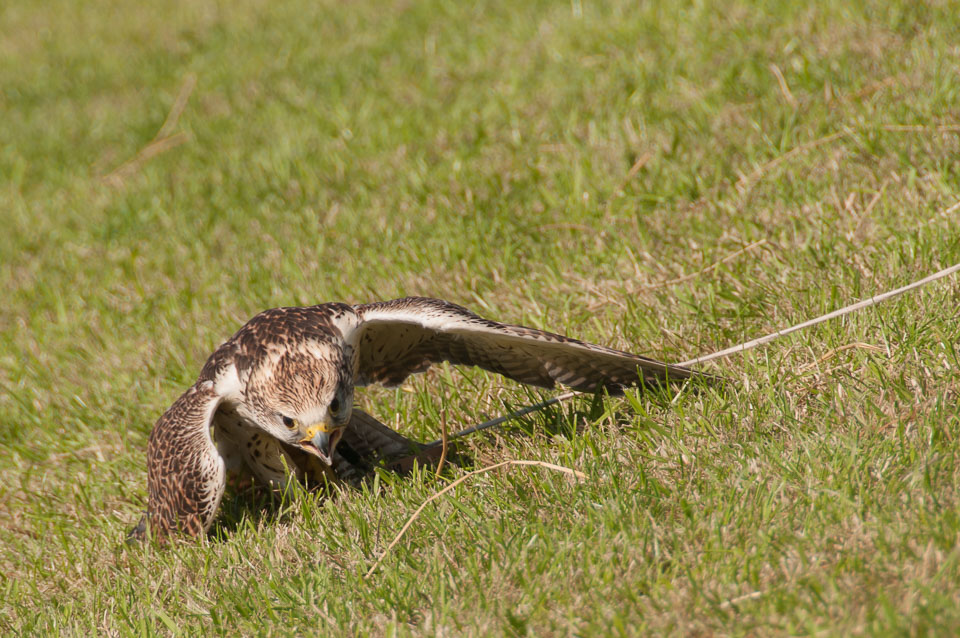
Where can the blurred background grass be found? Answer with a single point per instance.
(547, 163)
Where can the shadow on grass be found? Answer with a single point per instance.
(254, 502)
(570, 418)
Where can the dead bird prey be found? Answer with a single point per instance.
(277, 397)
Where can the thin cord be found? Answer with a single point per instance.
(831, 315)
(743, 347)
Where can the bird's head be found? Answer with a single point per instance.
(302, 395)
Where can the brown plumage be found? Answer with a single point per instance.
(276, 398)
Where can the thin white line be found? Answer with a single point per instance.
(830, 315)
(723, 353)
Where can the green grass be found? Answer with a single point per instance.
(481, 152)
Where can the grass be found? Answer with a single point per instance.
(482, 153)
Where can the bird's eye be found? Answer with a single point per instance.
(290, 423)
(335, 406)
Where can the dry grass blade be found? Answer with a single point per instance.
(858, 345)
(640, 163)
(606, 298)
(760, 171)
(145, 154)
(444, 440)
(713, 266)
(637, 165)
(179, 104)
(747, 180)
(866, 211)
(873, 87)
(919, 128)
(513, 462)
(163, 141)
(754, 595)
(876, 198)
(784, 87)
(564, 226)
(942, 215)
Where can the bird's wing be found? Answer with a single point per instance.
(185, 474)
(373, 441)
(368, 442)
(406, 336)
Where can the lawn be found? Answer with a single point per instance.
(667, 178)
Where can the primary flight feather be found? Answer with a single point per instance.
(279, 393)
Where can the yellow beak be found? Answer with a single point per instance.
(319, 428)
(321, 440)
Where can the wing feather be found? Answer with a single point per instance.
(185, 474)
(373, 441)
(406, 336)
(370, 442)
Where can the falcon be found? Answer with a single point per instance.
(274, 400)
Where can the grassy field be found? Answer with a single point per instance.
(568, 165)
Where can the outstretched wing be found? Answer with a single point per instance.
(367, 442)
(406, 336)
(372, 441)
(185, 474)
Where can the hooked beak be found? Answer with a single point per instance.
(321, 440)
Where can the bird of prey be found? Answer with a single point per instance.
(276, 398)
